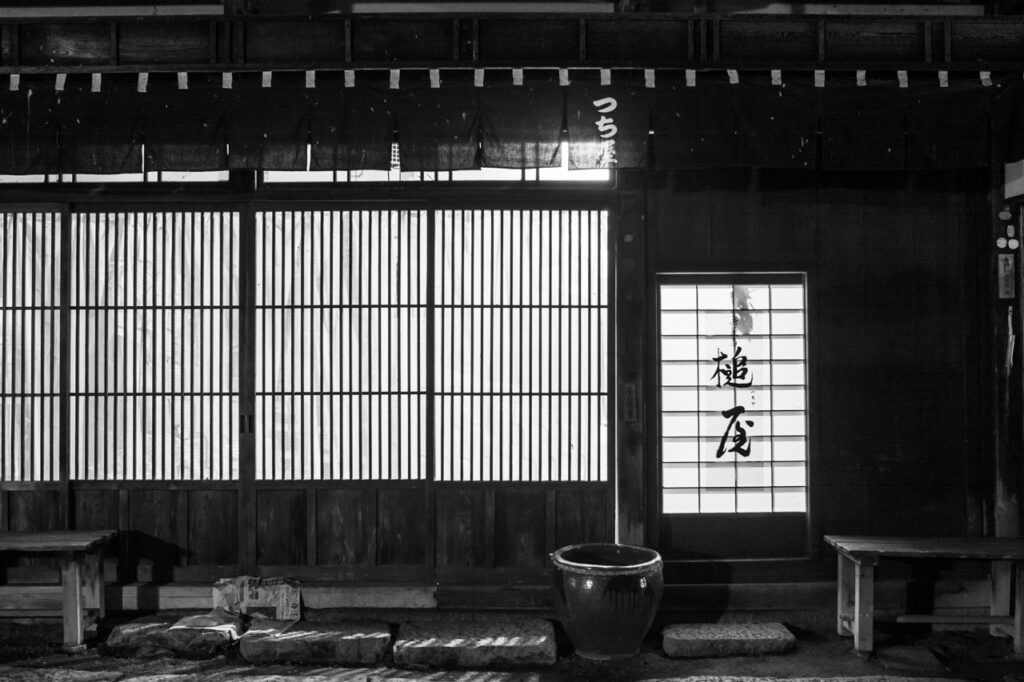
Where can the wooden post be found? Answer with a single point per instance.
(1005, 320)
(630, 323)
(247, 388)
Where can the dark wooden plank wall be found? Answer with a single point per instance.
(897, 279)
(371, 532)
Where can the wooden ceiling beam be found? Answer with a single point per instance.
(633, 40)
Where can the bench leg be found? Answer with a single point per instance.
(1018, 611)
(864, 608)
(1001, 579)
(71, 570)
(92, 584)
(844, 596)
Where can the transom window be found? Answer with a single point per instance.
(733, 404)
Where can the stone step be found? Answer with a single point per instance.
(458, 642)
(706, 640)
(339, 643)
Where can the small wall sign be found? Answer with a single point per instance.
(1006, 275)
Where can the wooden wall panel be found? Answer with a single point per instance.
(95, 509)
(212, 527)
(344, 527)
(520, 533)
(34, 509)
(461, 531)
(893, 279)
(155, 527)
(581, 516)
(280, 527)
(401, 527)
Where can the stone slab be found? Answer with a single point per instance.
(438, 676)
(476, 643)
(755, 678)
(151, 636)
(706, 640)
(138, 638)
(342, 643)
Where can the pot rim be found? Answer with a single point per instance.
(558, 558)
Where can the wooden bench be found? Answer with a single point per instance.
(858, 556)
(80, 553)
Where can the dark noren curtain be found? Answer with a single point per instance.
(776, 125)
(438, 128)
(862, 127)
(268, 127)
(948, 127)
(100, 132)
(695, 127)
(522, 124)
(350, 128)
(28, 128)
(185, 129)
(608, 126)
(751, 123)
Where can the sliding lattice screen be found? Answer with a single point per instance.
(511, 319)
(521, 340)
(341, 345)
(154, 334)
(391, 344)
(30, 260)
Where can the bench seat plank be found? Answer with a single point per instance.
(1006, 549)
(54, 541)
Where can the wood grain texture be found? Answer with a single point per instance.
(581, 516)
(520, 522)
(401, 527)
(55, 541)
(141, 43)
(395, 40)
(79, 43)
(33, 510)
(212, 527)
(153, 535)
(460, 528)
(280, 527)
(95, 509)
(342, 520)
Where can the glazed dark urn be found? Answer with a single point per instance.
(606, 596)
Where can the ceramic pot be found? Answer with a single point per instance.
(606, 596)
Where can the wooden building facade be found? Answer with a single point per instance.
(287, 370)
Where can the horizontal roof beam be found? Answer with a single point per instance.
(619, 40)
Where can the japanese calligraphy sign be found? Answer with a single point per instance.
(608, 126)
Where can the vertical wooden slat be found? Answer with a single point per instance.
(429, 494)
(6, 438)
(63, 446)
(247, 397)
